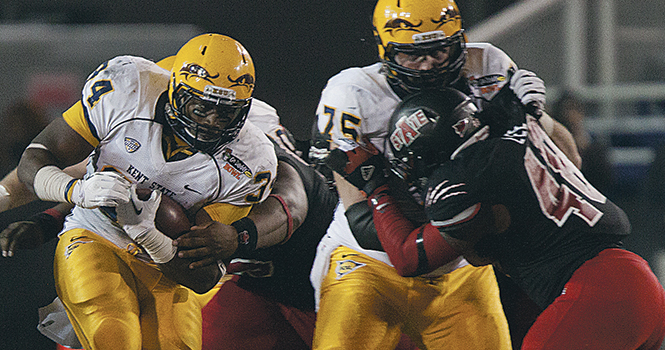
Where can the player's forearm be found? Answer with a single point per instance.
(271, 222)
(412, 250)
(283, 211)
(14, 193)
(562, 138)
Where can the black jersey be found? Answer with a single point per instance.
(287, 266)
(557, 219)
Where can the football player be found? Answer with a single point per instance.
(180, 132)
(270, 303)
(364, 301)
(270, 286)
(511, 198)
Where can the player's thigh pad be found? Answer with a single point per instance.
(360, 302)
(459, 310)
(613, 301)
(239, 319)
(115, 301)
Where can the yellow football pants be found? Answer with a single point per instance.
(365, 304)
(115, 301)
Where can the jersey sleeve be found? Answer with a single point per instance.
(488, 69)
(110, 95)
(77, 120)
(264, 116)
(248, 168)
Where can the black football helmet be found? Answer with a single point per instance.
(427, 129)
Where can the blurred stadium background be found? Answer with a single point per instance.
(609, 54)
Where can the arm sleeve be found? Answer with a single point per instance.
(412, 250)
(359, 216)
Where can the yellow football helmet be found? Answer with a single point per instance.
(417, 27)
(216, 73)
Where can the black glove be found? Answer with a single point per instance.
(530, 90)
(361, 166)
(503, 112)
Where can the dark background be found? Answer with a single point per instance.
(296, 47)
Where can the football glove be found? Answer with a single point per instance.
(362, 166)
(101, 189)
(530, 90)
(137, 218)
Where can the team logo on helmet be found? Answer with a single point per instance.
(193, 69)
(246, 80)
(407, 129)
(399, 24)
(450, 14)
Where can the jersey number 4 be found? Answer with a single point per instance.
(560, 187)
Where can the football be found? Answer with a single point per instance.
(171, 218)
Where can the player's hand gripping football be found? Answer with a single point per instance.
(362, 166)
(101, 189)
(208, 243)
(137, 218)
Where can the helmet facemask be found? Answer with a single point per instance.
(417, 27)
(190, 104)
(210, 91)
(446, 74)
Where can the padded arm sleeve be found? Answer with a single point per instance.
(412, 250)
(361, 223)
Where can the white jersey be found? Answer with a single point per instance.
(122, 112)
(359, 101)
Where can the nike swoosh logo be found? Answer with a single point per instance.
(136, 210)
(345, 255)
(191, 189)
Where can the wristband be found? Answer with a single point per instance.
(158, 245)
(53, 184)
(247, 236)
(289, 220)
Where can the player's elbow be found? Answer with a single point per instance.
(290, 188)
